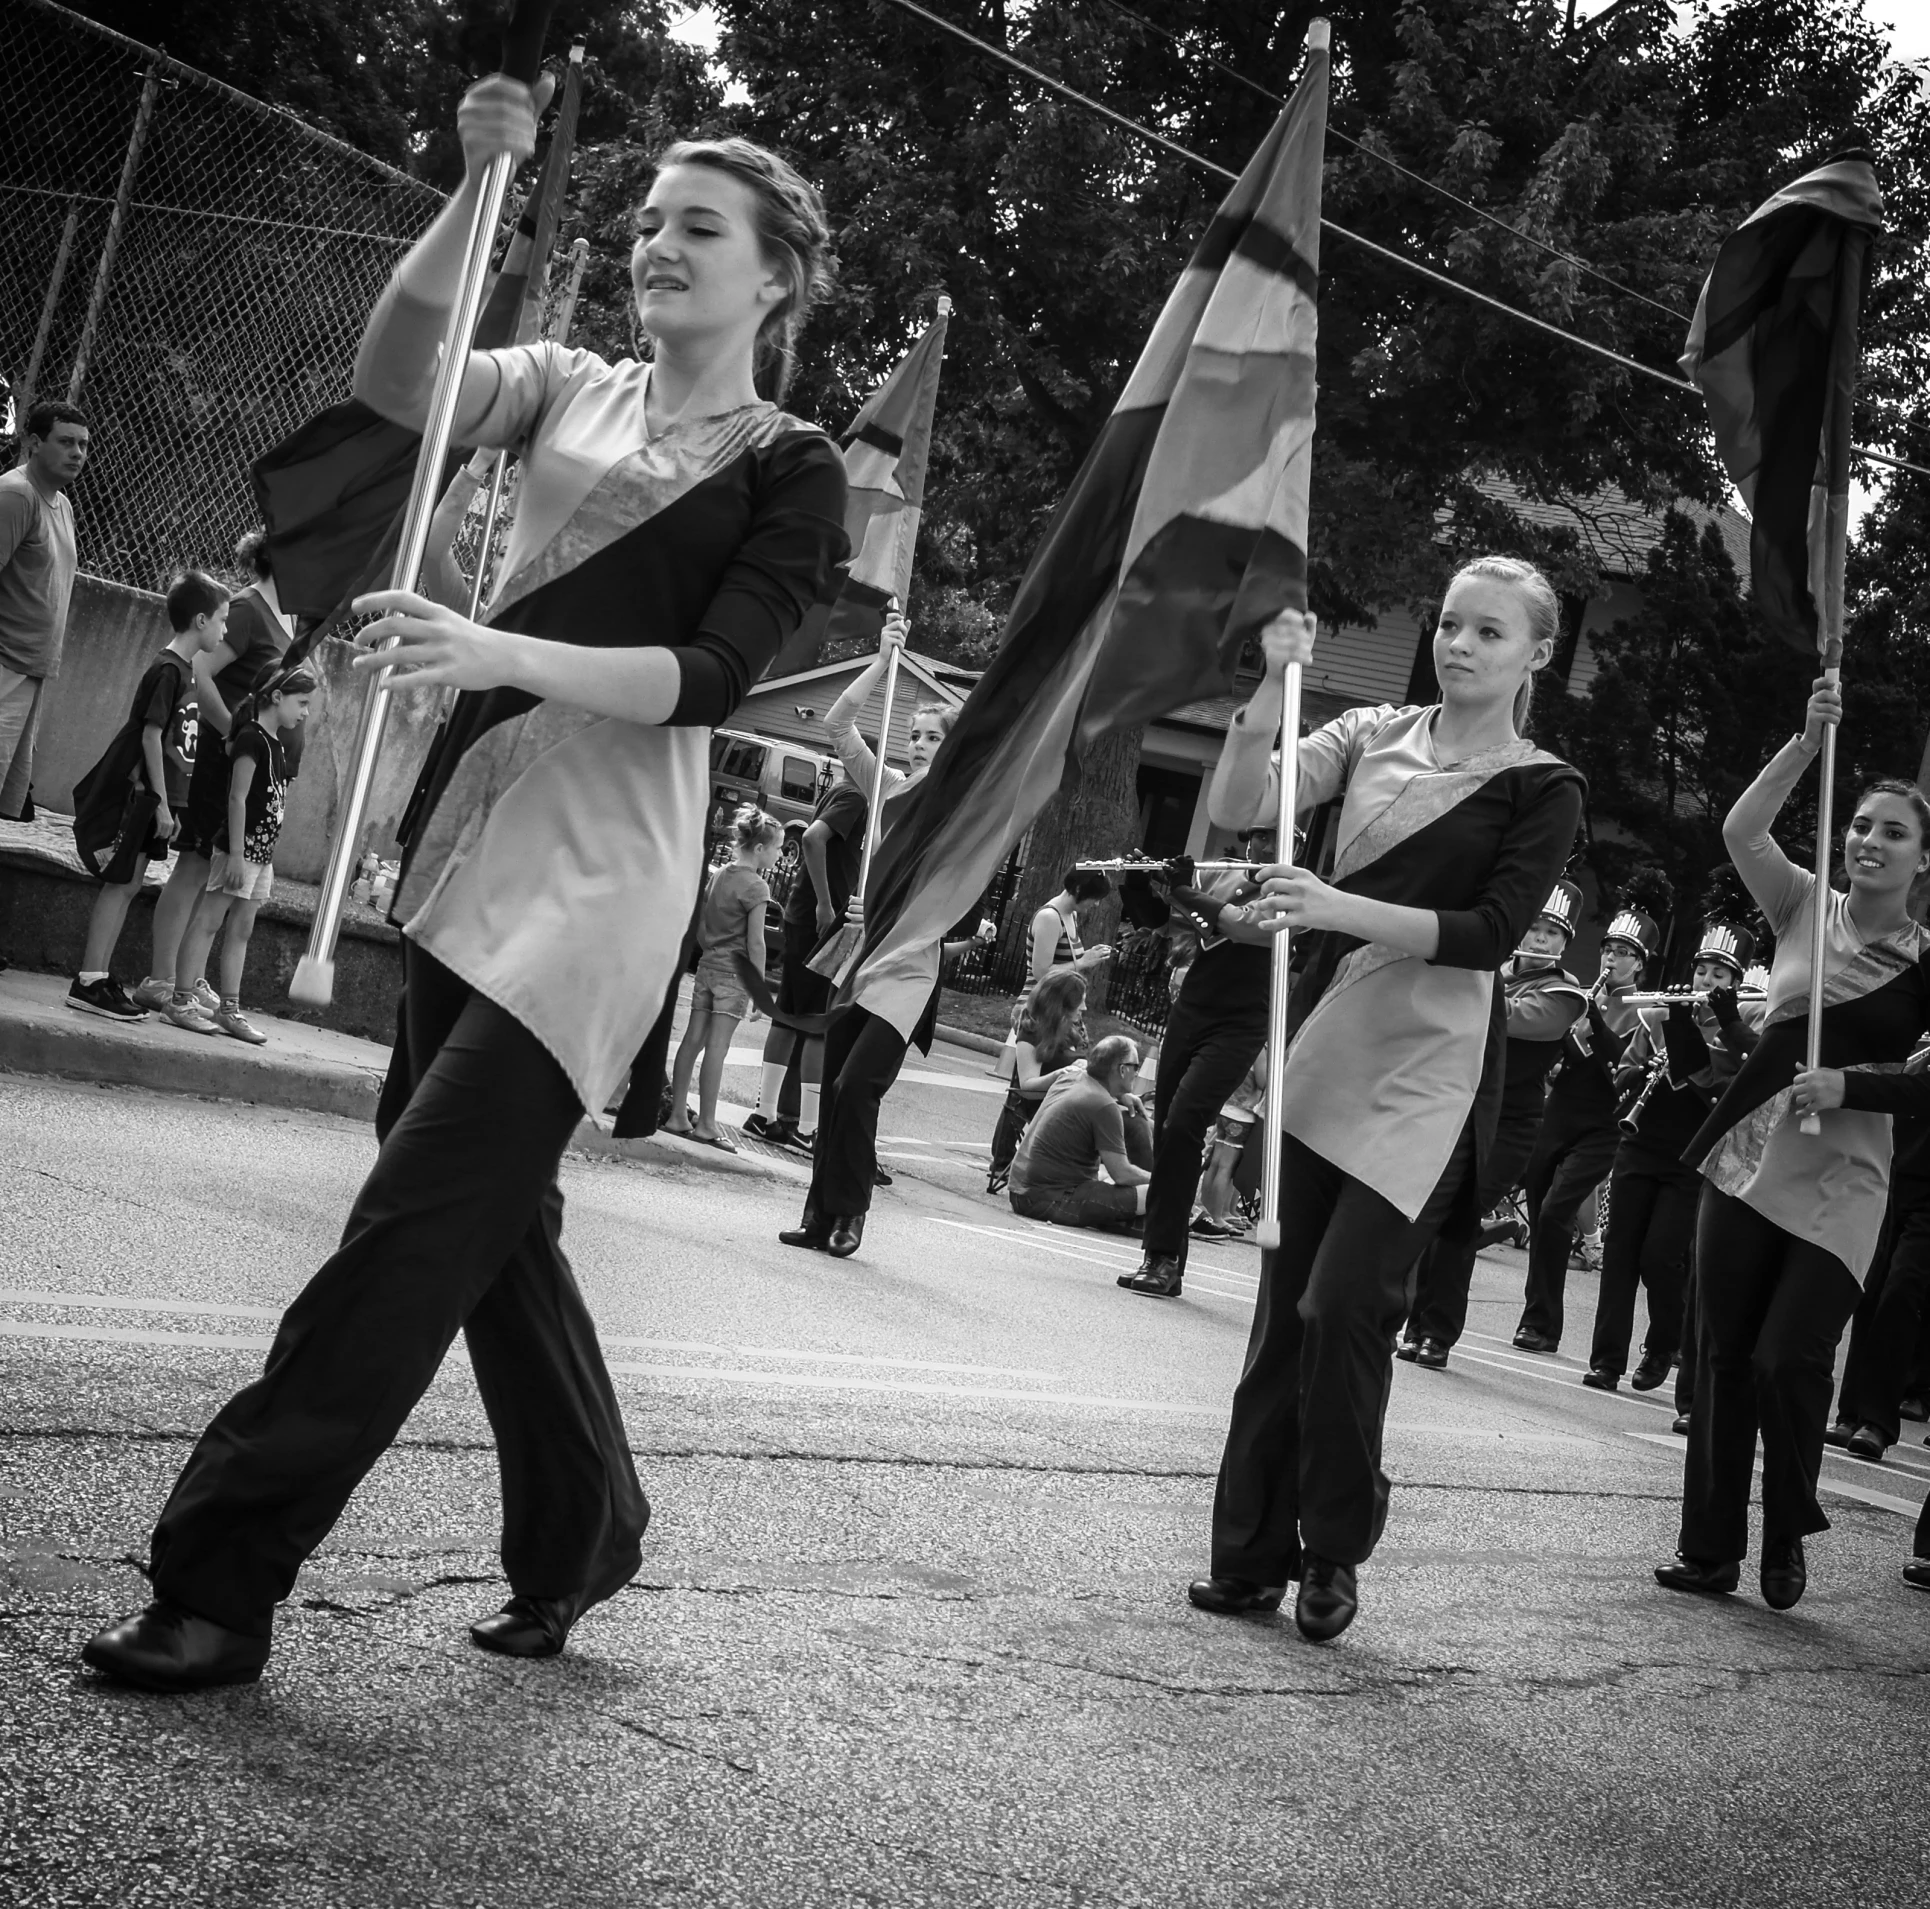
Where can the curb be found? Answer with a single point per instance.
(964, 1037)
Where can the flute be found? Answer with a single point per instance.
(1689, 997)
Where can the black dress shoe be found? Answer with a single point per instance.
(1692, 1574)
(528, 1626)
(879, 1177)
(1784, 1575)
(1598, 1378)
(1649, 1374)
(1840, 1433)
(1917, 1574)
(1407, 1349)
(1432, 1353)
(1329, 1598)
(1681, 1426)
(1235, 1597)
(1158, 1277)
(167, 1648)
(1526, 1341)
(847, 1234)
(1867, 1441)
(1913, 1408)
(813, 1231)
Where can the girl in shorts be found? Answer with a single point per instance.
(241, 874)
(730, 933)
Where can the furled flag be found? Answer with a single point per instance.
(885, 453)
(1183, 535)
(332, 493)
(1773, 347)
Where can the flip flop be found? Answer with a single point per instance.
(716, 1140)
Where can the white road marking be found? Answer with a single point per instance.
(852, 1383)
(1097, 1248)
(104, 1302)
(126, 1335)
(1841, 1487)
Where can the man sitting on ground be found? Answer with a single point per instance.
(1087, 1120)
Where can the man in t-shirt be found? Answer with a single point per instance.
(37, 564)
(1087, 1121)
(257, 635)
(833, 846)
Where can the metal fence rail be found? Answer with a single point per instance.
(190, 266)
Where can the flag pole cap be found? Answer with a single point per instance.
(944, 305)
(576, 55)
(1319, 35)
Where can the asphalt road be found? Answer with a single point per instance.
(911, 1625)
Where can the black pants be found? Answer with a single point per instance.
(1773, 1309)
(455, 1230)
(1203, 1057)
(1446, 1272)
(1015, 1115)
(1302, 1460)
(1651, 1222)
(862, 1056)
(1883, 1337)
(1570, 1160)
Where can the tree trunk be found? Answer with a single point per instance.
(1094, 817)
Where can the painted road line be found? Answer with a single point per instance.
(1097, 1248)
(1883, 1500)
(1194, 1282)
(105, 1302)
(826, 1358)
(1568, 1377)
(126, 1335)
(853, 1383)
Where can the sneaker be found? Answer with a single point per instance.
(1206, 1227)
(153, 993)
(189, 1016)
(104, 997)
(205, 995)
(233, 1022)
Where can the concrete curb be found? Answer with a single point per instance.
(964, 1037)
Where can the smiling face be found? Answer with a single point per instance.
(1484, 646)
(1884, 850)
(698, 269)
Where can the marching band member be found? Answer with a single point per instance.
(1576, 1147)
(1788, 1220)
(1452, 830)
(672, 529)
(1676, 1066)
(1544, 1002)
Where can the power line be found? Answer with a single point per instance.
(1419, 179)
(1339, 231)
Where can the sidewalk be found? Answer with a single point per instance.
(312, 1069)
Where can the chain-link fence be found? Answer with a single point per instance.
(191, 267)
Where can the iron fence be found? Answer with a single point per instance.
(190, 266)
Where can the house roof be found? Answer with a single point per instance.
(1615, 530)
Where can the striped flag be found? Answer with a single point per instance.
(1773, 347)
(885, 454)
(1183, 535)
(332, 493)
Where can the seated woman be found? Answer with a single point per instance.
(1051, 1035)
(1091, 1119)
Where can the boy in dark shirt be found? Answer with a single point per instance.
(147, 757)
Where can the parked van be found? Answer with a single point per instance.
(782, 778)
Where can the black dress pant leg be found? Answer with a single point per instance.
(862, 1056)
(1889, 1317)
(1303, 1451)
(1191, 1093)
(1773, 1309)
(1446, 1273)
(1575, 1168)
(461, 1177)
(1667, 1250)
(1632, 1197)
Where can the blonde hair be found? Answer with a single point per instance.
(943, 714)
(1543, 607)
(752, 827)
(792, 233)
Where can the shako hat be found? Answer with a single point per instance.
(1635, 929)
(1563, 907)
(1722, 941)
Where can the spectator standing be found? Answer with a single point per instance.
(37, 564)
(1089, 1119)
(147, 758)
(256, 636)
(241, 874)
(730, 935)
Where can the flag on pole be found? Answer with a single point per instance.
(332, 493)
(1773, 347)
(885, 454)
(1182, 536)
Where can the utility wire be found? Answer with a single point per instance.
(1339, 231)
(1394, 165)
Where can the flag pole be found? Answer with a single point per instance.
(834, 959)
(314, 982)
(1267, 1234)
(1836, 466)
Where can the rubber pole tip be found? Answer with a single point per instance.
(1267, 1234)
(1811, 1124)
(314, 982)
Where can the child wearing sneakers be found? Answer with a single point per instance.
(241, 875)
(730, 931)
(126, 805)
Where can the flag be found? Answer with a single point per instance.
(332, 493)
(1773, 347)
(885, 454)
(1182, 536)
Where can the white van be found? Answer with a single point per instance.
(783, 778)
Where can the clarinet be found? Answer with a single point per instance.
(1630, 1120)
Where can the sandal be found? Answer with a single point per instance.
(716, 1140)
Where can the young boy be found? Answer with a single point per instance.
(241, 875)
(150, 754)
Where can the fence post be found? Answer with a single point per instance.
(45, 329)
(143, 118)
